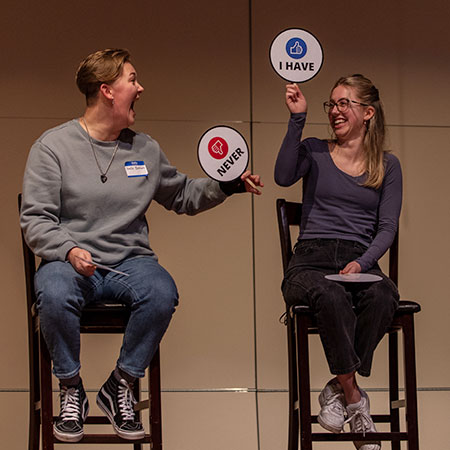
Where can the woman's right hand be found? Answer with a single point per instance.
(82, 267)
(295, 100)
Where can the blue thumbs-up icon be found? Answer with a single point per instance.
(296, 48)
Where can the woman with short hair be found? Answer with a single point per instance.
(87, 186)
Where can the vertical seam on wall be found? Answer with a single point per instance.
(255, 342)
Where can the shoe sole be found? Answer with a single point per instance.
(133, 436)
(67, 437)
(327, 426)
(362, 444)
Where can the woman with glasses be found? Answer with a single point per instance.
(352, 191)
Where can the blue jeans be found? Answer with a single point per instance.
(351, 317)
(62, 293)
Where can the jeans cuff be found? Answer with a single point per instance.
(63, 376)
(132, 371)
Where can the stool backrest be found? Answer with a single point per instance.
(290, 213)
(29, 261)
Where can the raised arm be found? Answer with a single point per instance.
(292, 161)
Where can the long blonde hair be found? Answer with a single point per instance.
(374, 138)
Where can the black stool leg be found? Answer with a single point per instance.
(410, 382)
(46, 396)
(393, 386)
(293, 430)
(154, 390)
(137, 396)
(304, 389)
(34, 411)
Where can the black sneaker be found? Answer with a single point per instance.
(116, 400)
(74, 408)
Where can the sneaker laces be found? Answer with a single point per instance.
(70, 404)
(360, 421)
(126, 401)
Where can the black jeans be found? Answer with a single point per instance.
(351, 317)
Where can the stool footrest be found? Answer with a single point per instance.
(378, 418)
(108, 439)
(396, 404)
(379, 436)
(141, 405)
(96, 420)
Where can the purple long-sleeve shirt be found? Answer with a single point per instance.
(335, 204)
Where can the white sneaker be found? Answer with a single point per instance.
(361, 422)
(332, 407)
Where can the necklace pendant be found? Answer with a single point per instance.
(103, 178)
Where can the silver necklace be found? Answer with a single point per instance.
(103, 176)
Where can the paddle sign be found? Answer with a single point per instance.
(223, 153)
(354, 277)
(296, 55)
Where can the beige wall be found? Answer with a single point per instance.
(193, 59)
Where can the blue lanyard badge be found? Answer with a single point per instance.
(135, 169)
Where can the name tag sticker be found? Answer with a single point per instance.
(136, 169)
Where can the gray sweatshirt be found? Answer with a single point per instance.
(66, 205)
(335, 204)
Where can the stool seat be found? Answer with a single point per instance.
(404, 307)
(407, 307)
(111, 318)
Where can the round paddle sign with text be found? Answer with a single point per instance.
(296, 55)
(223, 153)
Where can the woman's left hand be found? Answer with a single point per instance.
(251, 182)
(351, 267)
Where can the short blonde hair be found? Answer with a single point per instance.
(103, 66)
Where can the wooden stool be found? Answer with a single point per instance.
(102, 319)
(301, 323)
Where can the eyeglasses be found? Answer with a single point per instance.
(342, 105)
